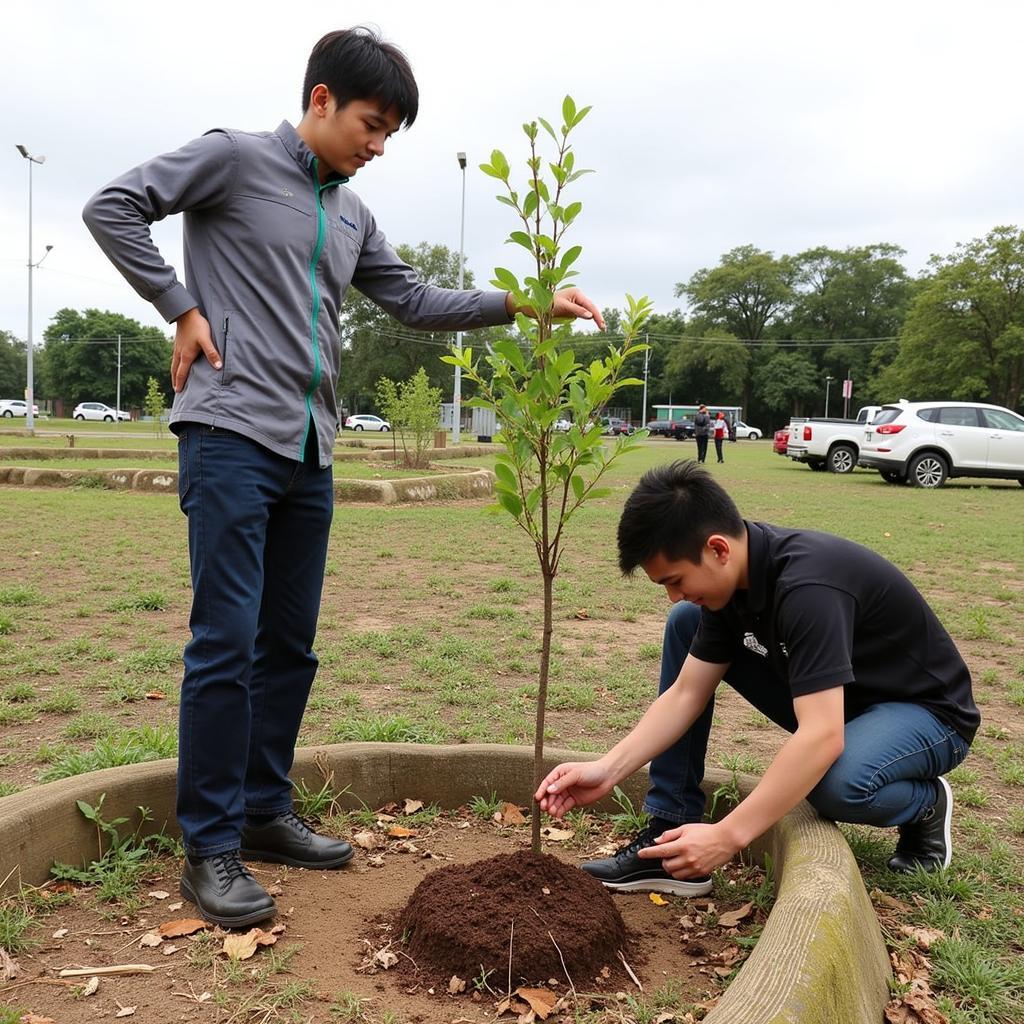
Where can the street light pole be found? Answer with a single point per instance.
(29, 389)
(828, 384)
(457, 402)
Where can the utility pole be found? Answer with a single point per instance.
(457, 397)
(117, 404)
(647, 359)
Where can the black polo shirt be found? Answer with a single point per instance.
(823, 612)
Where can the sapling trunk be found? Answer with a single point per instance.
(542, 701)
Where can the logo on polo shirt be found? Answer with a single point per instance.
(753, 644)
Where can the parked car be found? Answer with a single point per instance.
(563, 425)
(99, 411)
(614, 425)
(780, 441)
(742, 431)
(366, 421)
(832, 444)
(10, 407)
(678, 429)
(925, 443)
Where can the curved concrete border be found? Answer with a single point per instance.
(344, 453)
(464, 483)
(820, 958)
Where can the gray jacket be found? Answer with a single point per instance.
(269, 255)
(701, 424)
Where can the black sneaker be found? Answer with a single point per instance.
(625, 871)
(287, 839)
(225, 892)
(927, 842)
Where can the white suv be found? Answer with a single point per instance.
(924, 443)
(11, 407)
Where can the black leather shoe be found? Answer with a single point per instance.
(287, 839)
(625, 871)
(927, 843)
(225, 892)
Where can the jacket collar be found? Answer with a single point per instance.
(301, 153)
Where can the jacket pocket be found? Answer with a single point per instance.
(226, 355)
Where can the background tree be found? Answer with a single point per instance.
(375, 345)
(964, 335)
(713, 368)
(78, 362)
(153, 404)
(744, 294)
(13, 367)
(413, 409)
(786, 380)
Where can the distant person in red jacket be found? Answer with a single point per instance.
(720, 427)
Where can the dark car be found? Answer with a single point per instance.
(680, 430)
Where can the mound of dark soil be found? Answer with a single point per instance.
(461, 919)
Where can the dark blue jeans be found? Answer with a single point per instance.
(885, 775)
(258, 526)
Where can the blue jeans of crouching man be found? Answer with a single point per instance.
(885, 775)
(258, 526)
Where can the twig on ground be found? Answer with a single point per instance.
(568, 976)
(629, 971)
(511, 933)
(36, 981)
(86, 972)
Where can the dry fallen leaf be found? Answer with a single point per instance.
(34, 1018)
(412, 806)
(915, 1007)
(731, 918)
(9, 968)
(366, 840)
(60, 933)
(924, 937)
(159, 894)
(542, 1001)
(582, 613)
(186, 926)
(168, 950)
(175, 906)
(400, 832)
(375, 860)
(241, 947)
(510, 814)
(658, 901)
(456, 985)
(556, 835)
(125, 1011)
(91, 986)
(156, 695)
(150, 939)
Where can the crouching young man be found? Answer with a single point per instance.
(827, 639)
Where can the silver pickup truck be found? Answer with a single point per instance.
(832, 444)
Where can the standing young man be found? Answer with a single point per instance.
(827, 639)
(273, 239)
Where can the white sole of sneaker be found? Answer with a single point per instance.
(670, 886)
(947, 823)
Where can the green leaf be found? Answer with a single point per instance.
(506, 476)
(570, 256)
(505, 279)
(523, 239)
(530, 203)
(510, 503)
(510, 351)
(500, 164)
(547, 127)
(572, 211)
(600, 492)
(580, 115)
(488, 169)
(508, 202)
(578, 487)
(568, 111)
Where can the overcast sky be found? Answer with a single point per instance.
(783, 125)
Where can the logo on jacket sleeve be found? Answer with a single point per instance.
(344, 220)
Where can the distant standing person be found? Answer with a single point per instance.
(701, 430)
(720, 427)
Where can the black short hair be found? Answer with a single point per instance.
(356, 64)
(672, 512)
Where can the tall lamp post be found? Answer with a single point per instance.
(29, 389)
(457, 403)
(828, 384)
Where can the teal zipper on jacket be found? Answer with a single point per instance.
(321, 221)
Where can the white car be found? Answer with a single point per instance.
(364, 421)
(10, 407)
(743, 432)
(924, 443)
(99, 411)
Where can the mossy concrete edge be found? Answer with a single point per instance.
(820, 958)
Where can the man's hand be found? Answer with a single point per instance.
(690, 851)
(573, 784)
(191, 336)
(569, 303)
